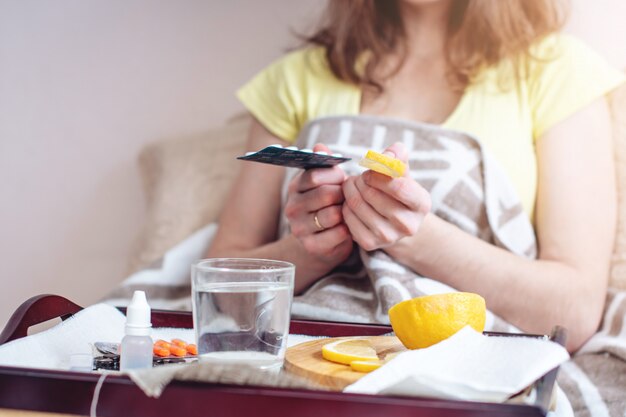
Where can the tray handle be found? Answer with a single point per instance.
(35, 310)
(545, 384)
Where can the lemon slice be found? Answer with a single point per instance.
(349, 350)
(383, 164)
(369, 366)
(366, 366)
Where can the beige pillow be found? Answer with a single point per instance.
(186, 182)
(618, 110)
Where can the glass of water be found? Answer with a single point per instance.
(242, 309)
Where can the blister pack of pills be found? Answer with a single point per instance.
(293, 157)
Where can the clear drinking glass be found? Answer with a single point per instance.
(242, 309)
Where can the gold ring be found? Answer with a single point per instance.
(317, 222)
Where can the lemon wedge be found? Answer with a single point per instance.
(369, 366)
(383, 164)
(366, 366)
(349, 350)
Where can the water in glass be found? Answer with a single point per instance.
(242, 322)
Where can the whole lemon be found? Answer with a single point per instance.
(424, 321)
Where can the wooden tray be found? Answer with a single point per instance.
(72, 392)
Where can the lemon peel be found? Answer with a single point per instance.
(383, 164)
(425, 321)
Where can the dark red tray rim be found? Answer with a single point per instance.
(60, 391)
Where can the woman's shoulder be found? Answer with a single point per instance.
(290, 91)
(566, 54)
(306, 55)
(565, 74)
(307, 63)
(557, 44)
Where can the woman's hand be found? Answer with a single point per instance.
(249, 219)
(380, 210)
(313, 209)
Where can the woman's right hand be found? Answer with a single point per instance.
(313, 209)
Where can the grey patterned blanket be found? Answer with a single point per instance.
(468, 189)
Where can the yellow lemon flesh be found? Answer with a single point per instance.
(349, 350)
(424, 321)
(383, 164)
(369, 366)
(366, 366)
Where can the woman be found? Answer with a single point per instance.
(493, 68)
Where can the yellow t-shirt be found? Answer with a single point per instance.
(300, 87)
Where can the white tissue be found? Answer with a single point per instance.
(53, 348)
(466, 366)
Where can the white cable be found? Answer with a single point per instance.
(96, 395)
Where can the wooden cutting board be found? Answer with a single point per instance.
(306, 360)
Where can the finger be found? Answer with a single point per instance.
(320, 197)
(360, 233)
(301, 208)
(397, 150)
(359, 206)
(404, 189)
(387, 206)
(401, 218)
(327, 217)
(314, 177)
(380, 201)
(379, 226)
(321, 147)
(324, 242)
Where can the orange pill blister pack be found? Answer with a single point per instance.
(107, 355)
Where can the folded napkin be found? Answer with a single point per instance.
(466, 366)
(52, 348)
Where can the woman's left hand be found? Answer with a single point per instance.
(380, 210)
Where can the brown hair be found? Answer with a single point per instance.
(481, 34)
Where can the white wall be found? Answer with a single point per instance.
(84, 84)
(601, 24)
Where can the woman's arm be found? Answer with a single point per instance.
(250, 216)
(575, 223)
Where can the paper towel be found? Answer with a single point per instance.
(466, 366)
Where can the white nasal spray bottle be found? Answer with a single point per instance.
(136, 348)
